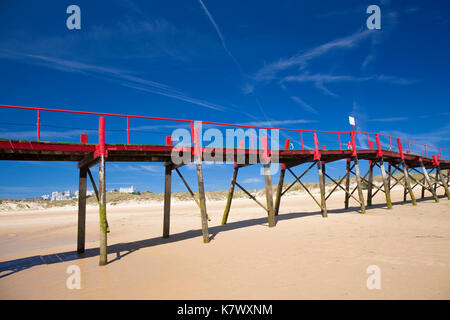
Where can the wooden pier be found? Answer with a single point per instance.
(87, 155)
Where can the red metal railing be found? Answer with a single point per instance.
(357, 139)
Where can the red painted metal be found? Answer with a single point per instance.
(316, 148)
(287, 144)
(128, 130)
(352, 135)
(339, 140)
(197, 151)
(301, 138)
(39, 109)
(38, 124)
(265, 146)
(379, 152)
(84, 138)
(169, 140)
(400, 148)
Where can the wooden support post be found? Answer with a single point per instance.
(347, 184)
(370, 184)
(321, 170)
(359, 184)
(408, 184)
(404, 193)
(280, 188)
(444, 183)
(387, 191)
(202, 198)
(230, 194)
(436, 180)
(102, 212)
(422, 194)
(81, 210)
(167, 198)
(428, 181)
(269, 197)
(389, 175)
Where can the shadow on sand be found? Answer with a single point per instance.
(123, 249)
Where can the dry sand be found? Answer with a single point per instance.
(304, 257)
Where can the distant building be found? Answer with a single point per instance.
(127, 190)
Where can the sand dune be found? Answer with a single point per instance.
(304, 257)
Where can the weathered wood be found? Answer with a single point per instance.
(323, 203)
(370, 184)
(251, 196)
(202, 198)
(444, 183)
(407, 183)
(230, 195)
(436, 179)
(297, 178)
(167, 198)
(422, 193)
(389, 175)
(279, 190)
(428, 181)
(338, 184)
(347, 184)
(269, 197)
(88, 161)
(187, 187)
(359, 184)
(81, 210)
(93, 184)
(102, 212)
(387, 191)
(304, 187)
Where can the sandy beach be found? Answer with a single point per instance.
(305, 256)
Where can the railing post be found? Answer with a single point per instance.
(128, 130)
(301, 138)
(339, 139)
(352, 134)
(38, 125)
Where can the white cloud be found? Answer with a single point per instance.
(304, 105)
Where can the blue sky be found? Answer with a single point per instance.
(292, 64)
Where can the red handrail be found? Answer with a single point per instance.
(128, 116)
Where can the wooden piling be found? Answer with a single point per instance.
(370, 184)
(428, 181)
(230, 195)
(167, 198)
(347, 184)
(408, 184)
(389, 175)
(279, 189)
(202, 198)
(359, 185)
(269, 197)
(387, 191)
(321, 171)
(444, 183)
(422, 193)
(102, 211)
(81, 237)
